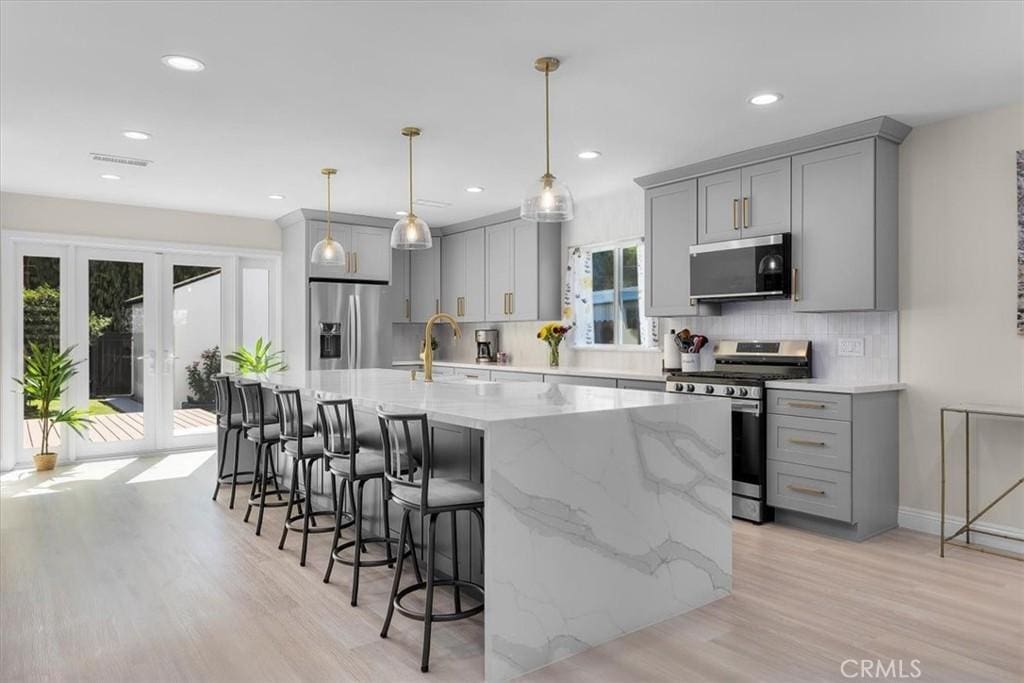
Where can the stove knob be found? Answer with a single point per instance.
(708, 389)
(743, 392)
(729, 391)
(690, 387)
(679, 387)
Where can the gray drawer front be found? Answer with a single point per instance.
(809, 404)
(506, 376)
(641, 384)
(472, 374)
(581, 381)
(810, 441)
(814, 490)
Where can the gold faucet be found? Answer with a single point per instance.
(428, 352)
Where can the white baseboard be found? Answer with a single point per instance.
(927, 522)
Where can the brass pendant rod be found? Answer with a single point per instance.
(329, 238)
(410, 178)
(547, 124)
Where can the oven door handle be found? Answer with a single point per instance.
(752, 407)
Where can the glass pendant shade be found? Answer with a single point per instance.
(411, 232)
(328, 252)
(548, 200)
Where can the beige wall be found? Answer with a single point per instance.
(80, 217)
(958, 338)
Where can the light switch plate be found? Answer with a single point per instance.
(851, 346)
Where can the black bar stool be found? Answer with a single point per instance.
(345, 457)
(263, 431)
(299, 443)
(429, 496)
(230, 421)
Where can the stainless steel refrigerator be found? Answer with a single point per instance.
(349, 327)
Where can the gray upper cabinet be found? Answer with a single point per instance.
(718, 217)
(399, 305)
(463, 285)
(317, 230)
(367, 250)
(670, 229)
(523, 270)
(845, 228)
(425, 281)
(765, 198)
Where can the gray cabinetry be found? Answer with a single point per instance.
(367, 250)
(844, 228)
(641, 385)
(425, 281)
(765, 198)
(833, 461)
(718, 207)
(498, 247)
(607, 382)
(462, 275)
(523, 275)
(670, 229)
(398, 292)
(506, 376)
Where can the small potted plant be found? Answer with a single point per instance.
(260, 361)
(48, 373)
(553, 334)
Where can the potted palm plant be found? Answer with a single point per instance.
(259, 361)
(48, 373)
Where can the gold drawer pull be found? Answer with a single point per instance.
(802, 404)
(735, 214)
(746, 212)
(805, 489)
(808, 442)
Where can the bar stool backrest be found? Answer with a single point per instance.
(289, 413)
(338, 426)
(222, 405)
(402, 458)
(251, 393)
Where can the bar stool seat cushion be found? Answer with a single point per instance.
(443, 493)
(272, 432)
(368, 462)
(311, 446)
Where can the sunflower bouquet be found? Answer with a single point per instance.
(553, 334)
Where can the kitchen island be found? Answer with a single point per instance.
(606, 510)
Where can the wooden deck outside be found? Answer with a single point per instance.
(124, 426)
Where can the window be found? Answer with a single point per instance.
(604, 296)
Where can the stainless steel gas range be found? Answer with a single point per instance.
(741, 370)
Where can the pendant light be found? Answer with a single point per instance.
(547, 200)
(328, 251)
(411, 231)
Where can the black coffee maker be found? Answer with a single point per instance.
(486, 346)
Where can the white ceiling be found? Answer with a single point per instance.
(292, 87)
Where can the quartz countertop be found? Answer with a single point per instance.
(834, 386)
(543, 370)
(467, 402)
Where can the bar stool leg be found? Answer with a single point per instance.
(428, 608)
(273, 469)
(387, 527)
(307, 511)
(234, 471)
(398, 573)
(339, 513)
(480, 517)
(222, 458)
(256, 475)
(455, 563)
(267, 464)
(291, 503)
(412, 551)
(358, 548)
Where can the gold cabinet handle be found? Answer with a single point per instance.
(437, 305)
(735, 214)
(793, 285)
(805, 489)
(804, 404)
(808, 442)
(746, 212)
(506, 303)
(511, 303)
(408, 310)
(356, 254)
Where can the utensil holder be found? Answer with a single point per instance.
(690, 362)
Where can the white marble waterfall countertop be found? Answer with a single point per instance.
(643, 375)
(466, 402)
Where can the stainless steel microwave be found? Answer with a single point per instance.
(752, 268)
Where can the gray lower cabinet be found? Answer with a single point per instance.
(506, 376)
(845, 245)
(425, 281)
(580, 381)
(670, 229)
(641, 384)
(833, 461)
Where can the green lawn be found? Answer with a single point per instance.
(96, 407)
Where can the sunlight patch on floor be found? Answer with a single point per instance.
(176, 466)
(86, 471)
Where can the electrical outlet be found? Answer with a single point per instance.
(851, 346)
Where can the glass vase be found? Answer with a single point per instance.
(553, 355)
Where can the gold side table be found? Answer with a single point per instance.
(967, 410)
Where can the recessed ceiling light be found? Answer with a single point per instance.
(110, 176)
(182, 63)
(275, 196)
(401, 213)
(589, 154)
(475, 189)
(765, 98)
(136, 134)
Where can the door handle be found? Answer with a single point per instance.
(805, 489)
(735, 214)
(746, 212)
(793, 284)
(150, 358)
(169, 358)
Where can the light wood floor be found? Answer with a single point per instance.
(109, 575)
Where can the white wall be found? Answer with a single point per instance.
(958, 340)
(79, 217)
